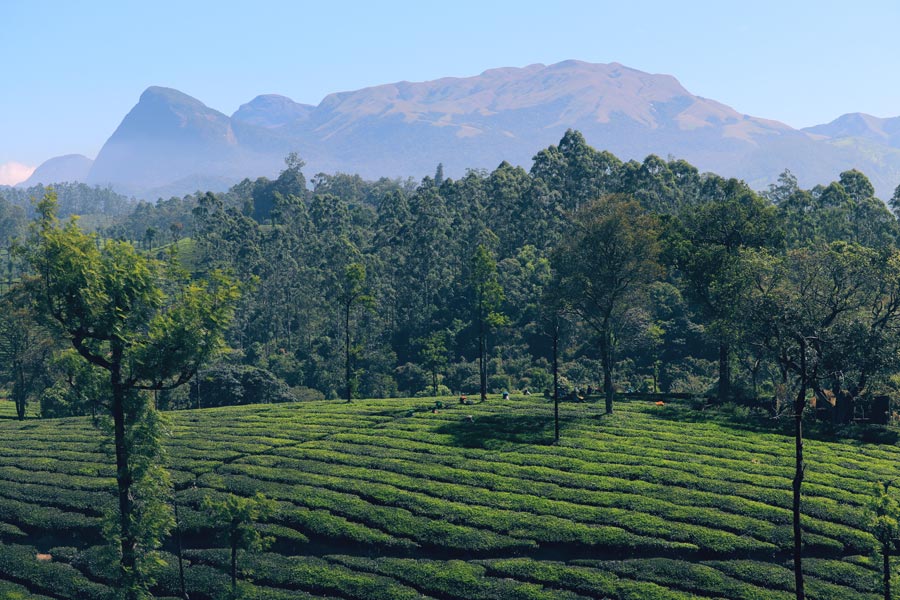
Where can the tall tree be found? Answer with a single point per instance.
(25, 350)
(123, 315)
(705, 248)
(609, 258)
(352, 294)
(816, 308)
(433, 354)
(488, 300)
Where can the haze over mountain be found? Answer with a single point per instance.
(171, 143)
(70, 167)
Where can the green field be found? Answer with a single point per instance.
(385, 499)
(8, 409)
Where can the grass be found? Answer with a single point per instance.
(387, 499)
(8, 409)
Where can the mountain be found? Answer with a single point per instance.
(71, 167)
(170, 137)
(171, 142)
(272, 110)
(860, 126)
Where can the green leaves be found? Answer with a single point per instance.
(884, 514)
(236, 517)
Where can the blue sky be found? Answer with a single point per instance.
(73, 69)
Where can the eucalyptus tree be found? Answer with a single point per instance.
(488, 301)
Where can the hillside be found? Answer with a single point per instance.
(171, 143)
(387, 499)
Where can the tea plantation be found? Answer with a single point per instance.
(387, 499)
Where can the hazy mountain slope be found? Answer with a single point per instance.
(271, 111)
(71, 167)
(860, 125)
(169, 136)
(509, 114)
(171, 141)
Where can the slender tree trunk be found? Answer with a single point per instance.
(799, 405)
(606, 359)
(434, 382)
(886, 553)
(482, 351)
(178, 549)
(347, 351)
(724, 372)
(19, 393)
(556, 382)
(128, 542)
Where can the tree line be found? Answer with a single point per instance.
(658, 278)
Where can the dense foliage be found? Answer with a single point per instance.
(392, 287)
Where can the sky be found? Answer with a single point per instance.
(72, 70)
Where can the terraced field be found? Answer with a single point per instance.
(387, 499)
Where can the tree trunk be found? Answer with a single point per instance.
(886, 553)
(799, 405)
(556, 383)
(724, 373)
(482, 363)
(128, 542)
(434, 382)
(19, 394)
(606, 359)
(347, 351)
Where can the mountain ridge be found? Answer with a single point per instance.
(508, 113)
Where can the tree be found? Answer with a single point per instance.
(25, 350)
(823, 314)
(147, 331)
(604, 265)
(433, 354)
(150, 236)
(488, 300)
(894, 202)
(553, 311)
(705, 247)
(237, 516)
(352, 294)
(884, 522)
(79, 387)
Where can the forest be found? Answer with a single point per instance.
(627, 276)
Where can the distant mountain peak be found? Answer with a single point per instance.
(171, 96)
(271, 111)
(60, 169)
